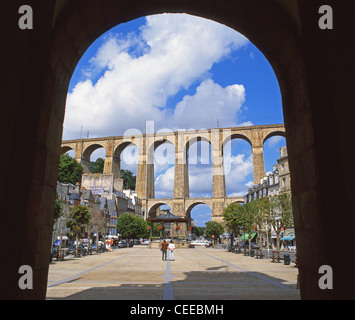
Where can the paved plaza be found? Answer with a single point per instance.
(200, 273)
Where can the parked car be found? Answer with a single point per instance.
(198, 243)
(254, 245)
(54, 252)
(146, 242)
(101, 248)
(208, 244)
(71, 249)
(122, 244)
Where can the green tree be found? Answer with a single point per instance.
(57, 209)
(249, 214)
(260, 217)
(129, 180)
(70, 171)
(154, 232)
(280, 214)
(214, 228)
(198, 231)
(233, 216)
(201, 231)
(78, 216)
(97, 166)
(132, 227)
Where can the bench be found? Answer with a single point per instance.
(295, 262)
(61, 254)
(238, 250)
(276, 256)
(77, 254)
(246, 252)
(260, 254)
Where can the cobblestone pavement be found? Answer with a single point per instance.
(199, 273)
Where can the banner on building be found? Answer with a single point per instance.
(99, 184)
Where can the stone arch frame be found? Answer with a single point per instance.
(229, 138)
(274, 134)
(117, 154)
(293, 44)
(238, 201)
(234, 136)
(188, 143)
(151, 148)
(88, 151)
(284, 39)
(193, 205)
(66, 149)
(193, 140)
(86, 155)
(154, 207)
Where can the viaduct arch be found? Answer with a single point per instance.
(311, 65)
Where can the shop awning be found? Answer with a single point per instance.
(245, 236)
(287, 238)
(63, 238)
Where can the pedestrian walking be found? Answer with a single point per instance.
(171, 249)
(164, 248)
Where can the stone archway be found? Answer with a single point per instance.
(306, 60)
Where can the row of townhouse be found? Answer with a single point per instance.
(279, 180)
(104, 208)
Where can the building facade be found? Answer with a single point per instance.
(279, 180)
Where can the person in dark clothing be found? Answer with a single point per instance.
(164, 248)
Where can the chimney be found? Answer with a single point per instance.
(118, 184)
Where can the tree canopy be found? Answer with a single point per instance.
(57, 209)
(131, 226)
(78, 216)
(275, 211)
(129, 180)
(69, 170)
(97, 166)
(214, 228)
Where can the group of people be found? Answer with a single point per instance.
(167, 250)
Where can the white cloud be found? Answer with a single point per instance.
(241, 167)
(210, 102)
(274, 141)
(139, 73)
(164, 184)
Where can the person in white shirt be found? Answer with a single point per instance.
(171, 249)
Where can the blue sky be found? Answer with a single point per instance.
(182, 72)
